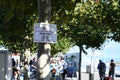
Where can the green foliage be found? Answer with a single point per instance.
(93, 22)
(62, 45)
(87, 25)
(61, 11)
(85, 22)
(16, 23)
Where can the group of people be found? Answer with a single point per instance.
(102, 69)
(58, 69)
(62, 68)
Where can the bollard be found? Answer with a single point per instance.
(91, 76)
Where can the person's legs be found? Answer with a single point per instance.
(103, 75)
(112, 76)
(52, 76)
(61, 77)
(100, 75)
(109, 73)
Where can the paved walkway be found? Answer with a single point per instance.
(85, 76)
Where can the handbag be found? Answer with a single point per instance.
(53, 71)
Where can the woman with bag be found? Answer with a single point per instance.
(53, 69)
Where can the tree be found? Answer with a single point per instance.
(87, 22)
(92, 23)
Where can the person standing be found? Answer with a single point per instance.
(62, 68)
(112, 69)
(33, 68)
(73, 65)
(102, 69)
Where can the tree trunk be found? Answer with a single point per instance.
(80, 61)
(43, 62)
(44, 13)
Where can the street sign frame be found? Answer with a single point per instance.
(45, 33)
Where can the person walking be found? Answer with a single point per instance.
(102, 69)
(112, 69)
(74, 65)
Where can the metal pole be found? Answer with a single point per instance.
(91, 74)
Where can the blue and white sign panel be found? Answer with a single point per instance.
(45, 33)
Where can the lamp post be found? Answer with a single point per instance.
(91, 74)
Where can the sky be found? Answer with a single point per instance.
(110, 50)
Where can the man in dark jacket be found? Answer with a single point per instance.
(102, 68)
